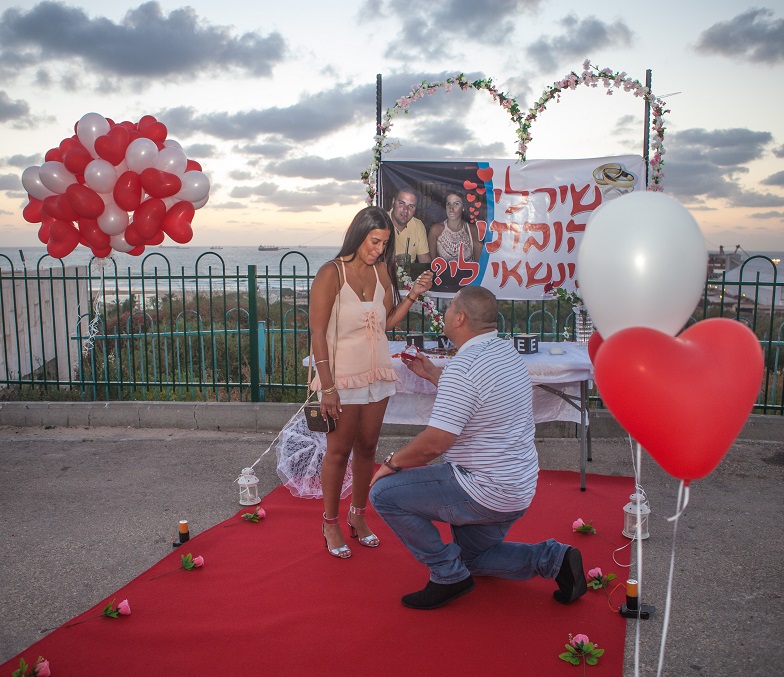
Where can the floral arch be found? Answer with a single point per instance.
(591, 77)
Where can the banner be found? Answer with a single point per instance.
(521, 223)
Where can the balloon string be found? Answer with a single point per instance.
(638, 488)
(266, 451)
(93, 327)
(683, 500)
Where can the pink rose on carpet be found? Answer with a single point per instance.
(596, 572)
(255, 516)
(580, 648)
(41, 668)
(198, 561)
(124, 608)
(581, 527)
(579, 639)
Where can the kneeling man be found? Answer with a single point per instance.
(483, 425)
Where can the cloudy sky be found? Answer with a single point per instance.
(276, 100)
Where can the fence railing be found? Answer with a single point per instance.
(94, 333)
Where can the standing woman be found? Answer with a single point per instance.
(354, 300)
(445, 237)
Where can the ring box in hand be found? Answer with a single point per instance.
(526, 343)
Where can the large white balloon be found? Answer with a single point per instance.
(195, 187)
(100, 175)
(642, 262)
(141, 154)
(171, 160)
(31, 181)
(55, 176)
(114, 220)
(89, 128)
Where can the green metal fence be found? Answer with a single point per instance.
(212, 334)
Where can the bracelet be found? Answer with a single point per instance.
(329, 391)
(414, 300)
(320, 361)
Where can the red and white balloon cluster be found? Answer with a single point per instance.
(114, 186)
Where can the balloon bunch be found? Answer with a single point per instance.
(683, 396)
(114, 186)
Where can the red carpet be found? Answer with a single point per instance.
(270, 601)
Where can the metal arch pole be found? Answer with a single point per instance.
(646, 138)
(378, 131)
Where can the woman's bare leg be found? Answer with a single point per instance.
(365, 444)
(333, 469)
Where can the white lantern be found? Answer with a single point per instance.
(249, 487)
(630, 511)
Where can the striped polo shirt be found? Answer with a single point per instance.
(484, 397)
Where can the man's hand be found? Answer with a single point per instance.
(424, 368)
(383, 471)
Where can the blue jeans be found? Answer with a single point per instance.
(411, 500)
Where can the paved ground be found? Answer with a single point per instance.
(85, 509)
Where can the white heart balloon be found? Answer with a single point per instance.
(32, 183)
(55, 176)
(89, 128)
(642, 262)
(141, 154)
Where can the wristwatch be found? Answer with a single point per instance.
(388, 463)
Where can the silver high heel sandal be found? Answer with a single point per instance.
(342, 551)
(370, 541)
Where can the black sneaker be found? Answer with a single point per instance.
(570, 579)
(434, 595)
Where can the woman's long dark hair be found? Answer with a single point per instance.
(367, 219)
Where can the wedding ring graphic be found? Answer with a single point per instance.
(614, 175)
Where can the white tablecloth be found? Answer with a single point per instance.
(413, 401)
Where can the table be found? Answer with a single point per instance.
(561, 383)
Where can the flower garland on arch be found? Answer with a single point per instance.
(591, 76)
(419, 91)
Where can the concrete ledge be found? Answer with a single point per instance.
(271, 417)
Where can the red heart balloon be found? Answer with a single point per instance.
(594, 343)
(76, 159)
(155, 131)
(147, 218)
(112, 145)
(145, 120)
(161, 184)
(127, 191)
(137, 251)
(683, 399)
(58, 207)
(101, 252)
(96, 238)
(43, 231)
(177, 222)
(84, 201)
(32, 211)
(192, 166)
(63, 239)
(54, 155)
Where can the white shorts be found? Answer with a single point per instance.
(375, 392)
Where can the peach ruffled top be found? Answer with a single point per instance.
(362, 352)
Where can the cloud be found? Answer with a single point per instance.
(776, 179)
(10, 181)
(576, 38)
(778, 152)
(12, 110)
(146, 43)
(767, 215)
(22, 161)
(201, 150)
(753, 35)
(707, 165)
(725, 147)
(313, 167)
(441, 29)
